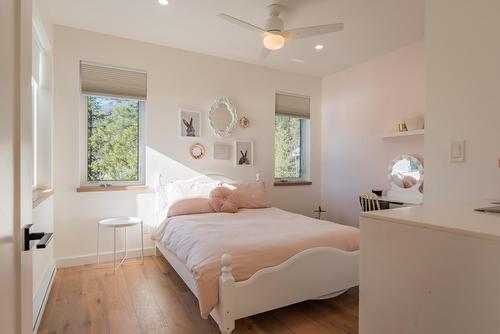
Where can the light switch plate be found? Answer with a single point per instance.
(457, 151)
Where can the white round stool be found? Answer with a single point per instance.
(120, 222)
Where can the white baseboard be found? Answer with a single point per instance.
(41, 296)
(104, 257)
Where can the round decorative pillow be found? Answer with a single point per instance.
(223, 199)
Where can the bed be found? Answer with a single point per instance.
(280, 258)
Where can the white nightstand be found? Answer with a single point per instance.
(120, 222)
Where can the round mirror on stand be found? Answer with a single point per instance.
(406, 176)
(222, 117)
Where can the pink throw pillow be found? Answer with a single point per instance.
(189, 206)
(252, 195)
(223, 199)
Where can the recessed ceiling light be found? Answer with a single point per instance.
(163, 2)
(319, 47)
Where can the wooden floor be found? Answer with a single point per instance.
(151, 298)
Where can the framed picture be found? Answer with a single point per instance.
(222, 151)
(244, 153)
(190, 123)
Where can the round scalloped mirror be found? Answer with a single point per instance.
(406, 176)
(222, 117)
(406, 172)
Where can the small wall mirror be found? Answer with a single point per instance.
(406, 172)
(222, 117)
(197, 151)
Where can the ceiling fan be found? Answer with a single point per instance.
(274, 36)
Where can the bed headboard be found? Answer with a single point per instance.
(161, 204)
(227, 179)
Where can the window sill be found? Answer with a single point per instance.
(39, 195)
(292, 183)
(86, 189)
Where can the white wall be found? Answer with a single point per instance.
(463, 100)
(359, 104)
(43, 261)
(176, 79)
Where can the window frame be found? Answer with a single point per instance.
(305, 138)
(84, 141)
(36, 79)
(34, 132)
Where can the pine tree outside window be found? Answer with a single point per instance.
(113, 140)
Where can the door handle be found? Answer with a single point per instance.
(47, 237)
(44, 238)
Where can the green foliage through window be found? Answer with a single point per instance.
(287, 147)
(112, 139)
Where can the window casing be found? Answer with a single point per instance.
(292, 138)
(36, 55)
(114, 117)
(34, 108)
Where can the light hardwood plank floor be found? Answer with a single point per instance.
(152, 298)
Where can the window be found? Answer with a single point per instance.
(34, 91)
(114, 105)
(288, 147)
(291, 138)
(36, 53)
(113, 139)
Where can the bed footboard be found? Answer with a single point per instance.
(312, 274)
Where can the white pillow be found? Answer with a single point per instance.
(198, 187)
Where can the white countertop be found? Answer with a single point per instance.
(456, 218)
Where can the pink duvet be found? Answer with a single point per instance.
(256, 239)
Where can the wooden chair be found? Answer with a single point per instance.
(369, 202)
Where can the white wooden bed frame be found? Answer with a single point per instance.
(316, 273)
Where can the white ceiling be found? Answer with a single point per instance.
(372, 27)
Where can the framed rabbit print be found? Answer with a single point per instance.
(244, 153)
(190, 123)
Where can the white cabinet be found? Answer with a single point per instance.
(430, 269)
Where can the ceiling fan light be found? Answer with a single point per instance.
(274, 42)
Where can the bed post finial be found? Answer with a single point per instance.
(159, 178)
(226, 260)
(160, 202)
(257, 177)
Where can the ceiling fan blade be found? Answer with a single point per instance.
(243, 24)
(313, 31)
(264, 54)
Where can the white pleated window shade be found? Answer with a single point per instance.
(36, 56)
(292, 105)
(104, 80)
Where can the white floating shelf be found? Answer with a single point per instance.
(419, 132)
